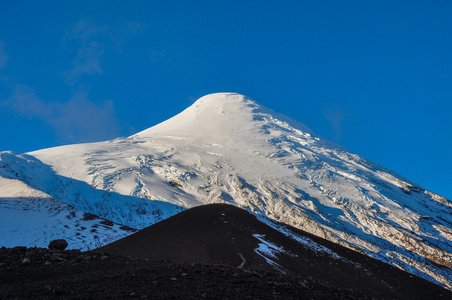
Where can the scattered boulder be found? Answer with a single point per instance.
(26, 261)
(60, 244)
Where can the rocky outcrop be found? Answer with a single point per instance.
(59, 244)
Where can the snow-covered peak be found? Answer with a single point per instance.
(223, 98)
(224, 119)
(213, 116)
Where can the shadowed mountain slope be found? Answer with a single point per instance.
(224, 234)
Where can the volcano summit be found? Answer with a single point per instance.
(227, 148)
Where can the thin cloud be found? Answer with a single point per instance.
(86, 34)
(25, 102)
(82, 120)
(157, 55)
(75, 121)
(92, 40)
(132, 28)
(336, 117)
(3, 57)
(84, 30)
(87, 62)
(127, 31)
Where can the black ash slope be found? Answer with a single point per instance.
(76, 275)
(224, 234)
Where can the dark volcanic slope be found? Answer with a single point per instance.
(223, 234)
(51, 274)
(214, 233)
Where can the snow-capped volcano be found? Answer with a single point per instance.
(228, 148)
(224, 118)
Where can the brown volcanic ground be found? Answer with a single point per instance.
(196, 254)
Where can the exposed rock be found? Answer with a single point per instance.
(26, 261)
(60, 244)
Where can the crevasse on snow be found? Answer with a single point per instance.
(228, 148)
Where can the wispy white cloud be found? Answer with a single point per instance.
(132, 28)
(87, 62)
(3, 57)
(93, 40)
(129, 30)
(25, 102)
(80, 118)
(157, 55)
(84, 30)
(336, 116)
(86, 34)
(77, 120)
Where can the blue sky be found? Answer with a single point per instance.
(373, 76)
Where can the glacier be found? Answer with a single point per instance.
(227, 148)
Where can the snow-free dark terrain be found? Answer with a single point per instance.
(227, 148)
(213, 251)
(224, 234)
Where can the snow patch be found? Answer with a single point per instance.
(305, 241)
(268, 251)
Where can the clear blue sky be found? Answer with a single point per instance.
(374, 76)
